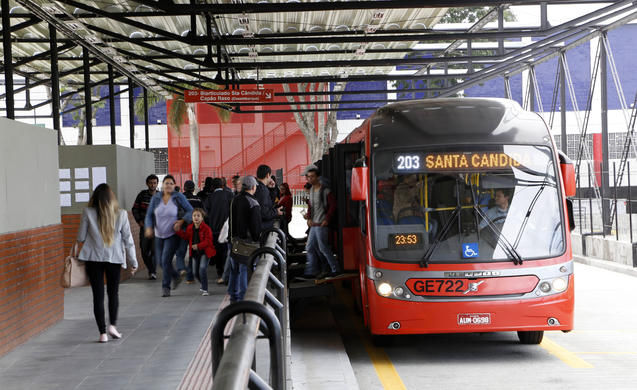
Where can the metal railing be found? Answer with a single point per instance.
(261, 311)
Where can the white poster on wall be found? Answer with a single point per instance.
(81, 185)
(81, 197)
(65, 186)
(81, 173)
(99, 176)
(65, 200)
(65, 173)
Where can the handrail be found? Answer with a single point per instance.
(232, 366)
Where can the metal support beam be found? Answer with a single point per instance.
(544, 23)
(563, 135)
(111, 103)
(500, 29)
(131, 112)
(8, 60)
(531, 88)
(88, 107)
(605, 188)
(55, 82)
(146, 119)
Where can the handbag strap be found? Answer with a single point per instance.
(73, 252)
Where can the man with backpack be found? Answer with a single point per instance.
(321, 209)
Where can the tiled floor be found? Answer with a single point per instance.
(161, 336)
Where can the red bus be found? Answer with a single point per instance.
(454, 214)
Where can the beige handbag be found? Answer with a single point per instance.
(74, 273)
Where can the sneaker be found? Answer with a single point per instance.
(183, 273)
(176, 282)
(305, 277)
(152, 277)
(220, 281)
(204, 293)
(166, 292)
(190, 282)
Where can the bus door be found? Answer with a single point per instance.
(348, 232)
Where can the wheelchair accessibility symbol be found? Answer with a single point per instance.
(470, 251)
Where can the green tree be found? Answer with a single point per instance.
(79, 116)
(471, 15)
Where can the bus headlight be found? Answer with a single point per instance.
(560, 284)
(399, 291)
(545, 287)
(384, 289)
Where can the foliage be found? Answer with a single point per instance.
(471, 15)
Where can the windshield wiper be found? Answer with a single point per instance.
(512, 253)
(424, 262)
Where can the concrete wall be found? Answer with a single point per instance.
(126, 170)
(28, 177)
(620, 252)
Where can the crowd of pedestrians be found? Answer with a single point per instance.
(212, 227)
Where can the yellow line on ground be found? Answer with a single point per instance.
(385, 369)
(564, 354)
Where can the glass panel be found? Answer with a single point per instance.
(488, 204)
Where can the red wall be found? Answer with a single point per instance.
(31, 298)
(240, 145)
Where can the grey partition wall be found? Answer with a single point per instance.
(82, 168)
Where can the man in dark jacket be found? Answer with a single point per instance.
(183, 266)
(140, 206)
(217, 207)
(268, 212)
(207, 189)
(246, 225)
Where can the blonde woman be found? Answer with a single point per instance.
(108, 245)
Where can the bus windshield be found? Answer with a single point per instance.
(494, 203)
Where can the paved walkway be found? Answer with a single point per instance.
(161, 337)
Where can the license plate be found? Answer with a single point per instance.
(474, 319)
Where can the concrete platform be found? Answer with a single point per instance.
(161, 337)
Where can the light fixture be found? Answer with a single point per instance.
(51, 8)
(74, 25)
(384, 289)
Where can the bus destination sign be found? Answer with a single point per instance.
(454, 161)
(228, 95)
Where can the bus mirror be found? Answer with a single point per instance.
(359, 183)
(568, 177)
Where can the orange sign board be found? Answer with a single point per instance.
(228, 95)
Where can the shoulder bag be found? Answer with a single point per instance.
(242, 248)
(74, 273)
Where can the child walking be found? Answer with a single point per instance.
(199, 237)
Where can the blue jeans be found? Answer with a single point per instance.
(181, 255)
(165, 251)
(238, 281)
(317, 247)
(200, 270)
(226, 267)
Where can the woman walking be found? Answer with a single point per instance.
(108, 245)
(167, 212)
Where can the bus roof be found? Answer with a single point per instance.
(456, 121)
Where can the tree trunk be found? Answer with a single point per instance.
(194, 142)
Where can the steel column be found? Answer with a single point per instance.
(8, 60)
(55, 82)
(88, 108)
(605, 188)
(563, 135)
(544, 23)
(131, 112)
(531, 88)
(146, 119)
(111, 103)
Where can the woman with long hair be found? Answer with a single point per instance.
(167, 212)
(286, 202)
(108, 246)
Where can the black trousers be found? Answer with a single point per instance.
(96, 271)
(219, 259)
(147, 247)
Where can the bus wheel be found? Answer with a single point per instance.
(382, 340)
(531, 337)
